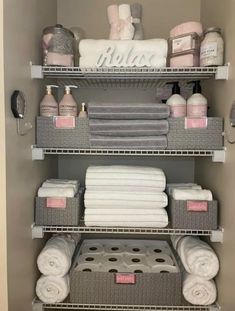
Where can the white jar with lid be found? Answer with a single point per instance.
(212, 48)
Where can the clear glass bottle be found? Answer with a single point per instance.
(212, 48)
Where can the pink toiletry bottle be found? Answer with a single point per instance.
(197, 103)
(48, 105)
(176, 102)
(68, 106)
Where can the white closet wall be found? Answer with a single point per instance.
(221, 177)
(23, 23)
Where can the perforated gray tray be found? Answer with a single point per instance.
(70, 216)
(149, 288)
(180, 218)
(209, 138)
(50, 136)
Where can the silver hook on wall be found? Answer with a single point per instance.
(232, 123)
(18, 108)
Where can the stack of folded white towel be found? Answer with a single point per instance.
(189, 192)
(54, 263)
(126, 196)
(201, 265)
(59, 188)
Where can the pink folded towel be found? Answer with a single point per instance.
(188, 60)
(113, 17)
(185, 28)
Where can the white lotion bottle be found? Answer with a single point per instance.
(48, 105)
(68, 106)
(176, 102)
(197, 103)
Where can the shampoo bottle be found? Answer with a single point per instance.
(48, 105)
(197, 103)
(68, 106)
(176, 102)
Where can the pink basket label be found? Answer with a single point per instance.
(125, 278)
(56, 202)
(193, 123)
(197, 206)
(64, 122)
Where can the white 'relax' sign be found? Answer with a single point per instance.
(111, 58)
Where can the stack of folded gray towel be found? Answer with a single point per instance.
(128, 125)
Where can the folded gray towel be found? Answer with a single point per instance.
(122, 128)
(134, 143)
(128, 111)
(136, 13)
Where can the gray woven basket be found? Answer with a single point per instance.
(180, 218)
(209, 138)
(149, 288)
(70, 216)
(50, 136)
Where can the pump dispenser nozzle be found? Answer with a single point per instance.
(69, 87)
(175, 88)
(49, 87)
(197, 89)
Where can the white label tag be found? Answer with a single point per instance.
(209, 50)
(182, 44)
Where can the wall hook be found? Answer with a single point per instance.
(18, 108)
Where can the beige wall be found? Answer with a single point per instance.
(221, 177)
(23, 23)
(159, 16)
(3, 244)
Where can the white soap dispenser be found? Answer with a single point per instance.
(48, 105)
(83, 113)
(197, 103)
(176, 102)
(67, 105)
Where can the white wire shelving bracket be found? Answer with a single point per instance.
(39, 306)
(144, 77)
(39, 231)
(39, 153)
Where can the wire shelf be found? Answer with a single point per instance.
(39, 231)
(123, 230)
(108, 152)
(144, 77)
(107, 307)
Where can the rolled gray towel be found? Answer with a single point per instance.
(134, 143)
(128, 111)
(123, 128)
(136, 13)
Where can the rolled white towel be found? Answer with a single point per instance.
(198, 291)
(56, 257)
(127, 30)
(197, 257)
(125, 199)
(192, 194)
(56, 192)
(52, 289)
